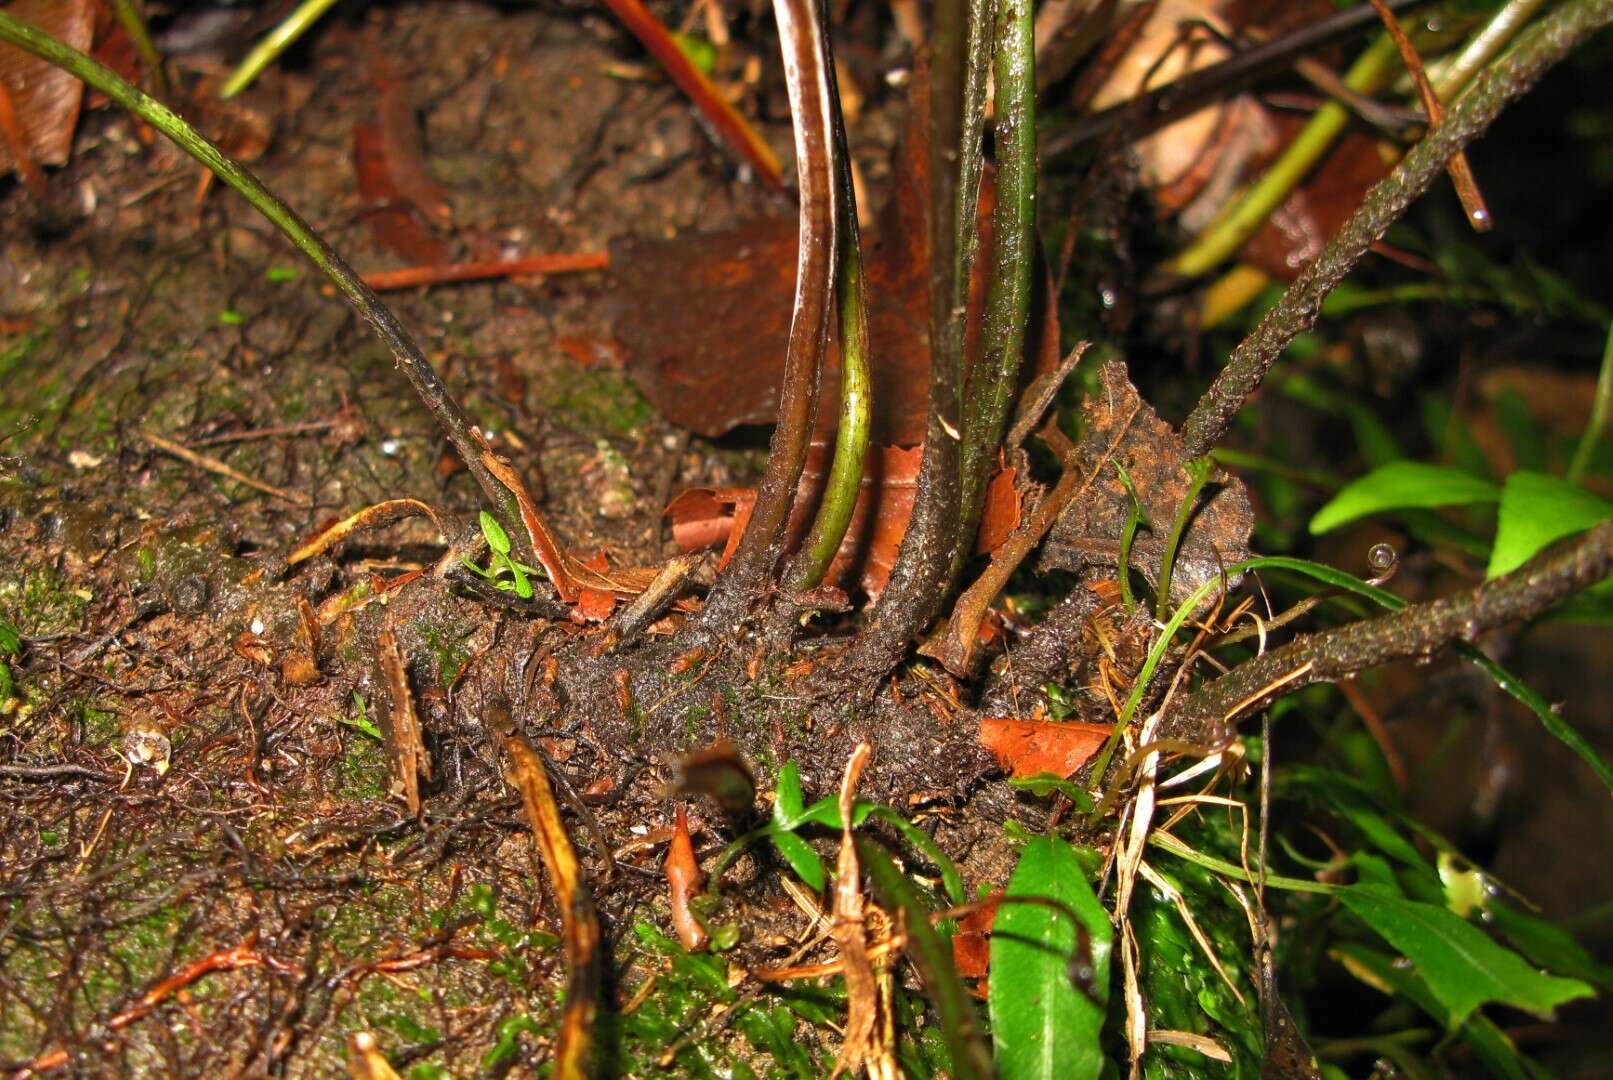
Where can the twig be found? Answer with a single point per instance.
(1415, 630)
(218, 468)
(54, 772)
(1467, 189)
(389, 280)
(740, 135)
(579, 923)
(807, 72)
(1541, 46)
(1154, 109)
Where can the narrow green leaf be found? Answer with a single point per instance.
(1462, 967)
(802, 859)
(10, 639)
(1403, 485)
(788, 802)
(1537, 509)
(1042, 1023)
(497, 538)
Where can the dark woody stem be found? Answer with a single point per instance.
(807, 74)
(1537, 49)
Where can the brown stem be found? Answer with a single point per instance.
(1414, 631)
(806, 71)
(961, 50)
(1538, 48)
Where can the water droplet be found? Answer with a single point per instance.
(1382, 557)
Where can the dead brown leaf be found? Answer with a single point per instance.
(1121, 427)
(44, 98)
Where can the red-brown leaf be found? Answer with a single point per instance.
(683, 884)
(1031, 747)
(45, 99)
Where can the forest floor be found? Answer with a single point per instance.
(182, 815)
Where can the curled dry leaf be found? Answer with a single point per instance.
(371, 517)
(1032, 747)
(683, 879)
(1121, 427)
(721, 773)
(44, 98)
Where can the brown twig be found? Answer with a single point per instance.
(1414, 631)
(389, 280)
(579, 923)
(807, 73)
(1154, 109)
(1537, 49)
(232, 959)
(643, 24)
(218, 468)
(1467, 189)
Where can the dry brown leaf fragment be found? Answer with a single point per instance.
(410, 762)
(1122, 428)
(683, 879)
(850, 933)
(45, 99)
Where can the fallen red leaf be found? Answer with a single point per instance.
(45, 100)
(971, 945)
(1032, 747)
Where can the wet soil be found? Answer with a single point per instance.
(171, 794)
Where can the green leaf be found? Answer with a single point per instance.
(1042, 1024)
(1537, 509)
(789, 802)
(497, 538)
(1462, 967)
(1403, 485)
(10, 639)
(1383, 973)
(802, 859)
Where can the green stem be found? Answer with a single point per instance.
(1370, 73)
(960, 50)
(1598, 421)
(386, 326)
(996, 375)
(1198, 472)
(856, 386)
(278, 40)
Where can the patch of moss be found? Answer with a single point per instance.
(363, 770)
(592, 401)
(38, 600)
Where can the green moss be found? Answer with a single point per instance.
(592, 401)
(447, 644)
(363, 771)
(41, 601)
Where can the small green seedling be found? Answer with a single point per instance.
(500, 565)
(361, 718)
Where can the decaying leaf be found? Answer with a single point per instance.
(44, 98)
(1033, 747)
(1121, 427)
(410, 762)
(971, 945)
(683, 881)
